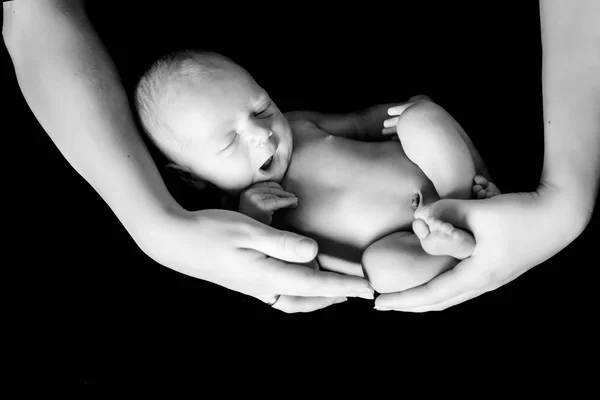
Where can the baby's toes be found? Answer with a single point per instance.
(476, 189)
(434, 224)
(422, 212)
(492, 190)
(446, 228)
(420, 228)
(479, 192)
(480, 180)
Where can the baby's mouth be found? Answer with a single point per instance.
(265, 167)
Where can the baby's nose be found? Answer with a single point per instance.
(261, 137)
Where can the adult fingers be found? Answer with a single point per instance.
(461, 298)
(282, 245)
(389, 131)
(294, 279)
(443, 288)
(440, 306)
(300, 280)
(296, 304)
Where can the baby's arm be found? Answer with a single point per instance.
(364, 125)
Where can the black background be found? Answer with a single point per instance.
(80, 286)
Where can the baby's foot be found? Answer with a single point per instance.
(483, 189)
(440, 238)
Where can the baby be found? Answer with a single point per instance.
(357, 199)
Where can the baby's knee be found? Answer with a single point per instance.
(423, 118)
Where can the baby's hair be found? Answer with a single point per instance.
(188, 65)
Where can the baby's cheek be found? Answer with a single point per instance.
(281, 126)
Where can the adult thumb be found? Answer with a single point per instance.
(283, 245)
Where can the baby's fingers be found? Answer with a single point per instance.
(397, 110)
(275, 203)
(268, 192)
(391, 122)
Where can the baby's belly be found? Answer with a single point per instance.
(351, 194)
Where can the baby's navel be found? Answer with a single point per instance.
(416, 201)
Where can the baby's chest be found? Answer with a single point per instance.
(350, 201)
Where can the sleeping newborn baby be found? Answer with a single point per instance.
(305, 172)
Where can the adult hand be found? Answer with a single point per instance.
(513, 233)
(241, 254)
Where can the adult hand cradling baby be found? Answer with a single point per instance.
(517, 231)
(54, 49)
(252, 258)
(49, 45)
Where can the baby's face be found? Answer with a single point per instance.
(233, 134)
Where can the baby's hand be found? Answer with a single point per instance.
(390, 124)
(261, 200)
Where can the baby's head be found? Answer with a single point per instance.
(213, 121)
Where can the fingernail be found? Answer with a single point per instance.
(382, 308)
(306, 248)
(341, 300)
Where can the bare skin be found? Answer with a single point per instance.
(56, 52)
(517, 231)
(362, 213)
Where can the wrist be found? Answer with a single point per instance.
(153, 229)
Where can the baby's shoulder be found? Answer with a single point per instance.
(302, 124)
(300, 118)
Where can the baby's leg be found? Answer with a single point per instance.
(398, 262)
(434, 141)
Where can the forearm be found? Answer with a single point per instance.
(571, 91)
(73, 89)
(365, 125)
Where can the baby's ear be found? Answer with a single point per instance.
(186, 176)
